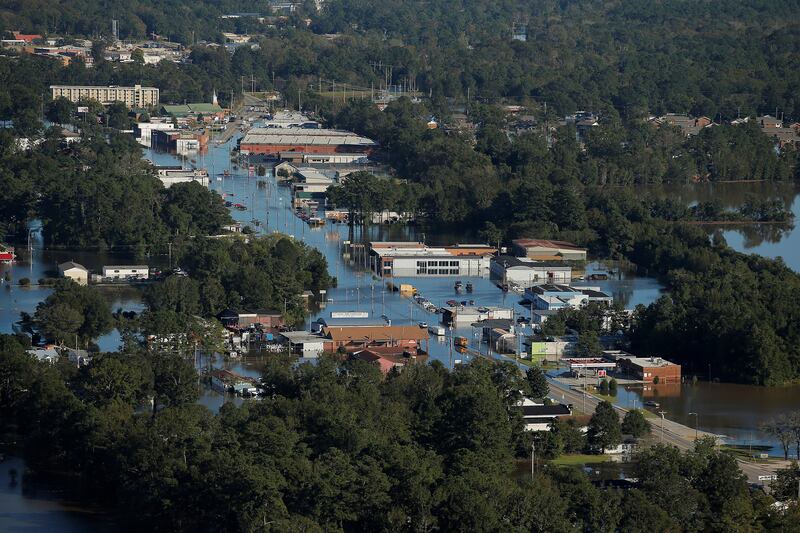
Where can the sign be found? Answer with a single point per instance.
(601, 373)
(349, 314)
(83, 109)
(772, 477)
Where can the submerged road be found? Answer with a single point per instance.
(667, 431)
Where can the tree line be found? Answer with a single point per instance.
(338, 447)
(100, 193)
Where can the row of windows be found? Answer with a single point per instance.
(423, 264)
(438, 272)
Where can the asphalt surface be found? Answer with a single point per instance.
(665, 430)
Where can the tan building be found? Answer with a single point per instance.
(74, 271)
(136, 96)
(548, 250)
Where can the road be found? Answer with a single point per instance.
(667, 431)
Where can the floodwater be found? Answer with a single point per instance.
(733, 410)
(763, 239)
(27, 505)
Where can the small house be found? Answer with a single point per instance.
(74, 271)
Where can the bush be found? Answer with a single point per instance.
(612, 387)
(603, 387)
(24, 282)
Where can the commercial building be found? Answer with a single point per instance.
(460, 315)
(136, 96)
(548, 250)
(303, 343)
(227, 381)
(526, 272)
(273, 141)
(179, 142)
(74, 271)
(126, 272)
(359, 338)
(396, 259)
(170, 175)
(553, 296)
(208, 112)
(647, 369)
(143, 131)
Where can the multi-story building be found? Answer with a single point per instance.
(136, 96)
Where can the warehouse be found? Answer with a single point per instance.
(526, 272)
(414, 259)
(273, 141)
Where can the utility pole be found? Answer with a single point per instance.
(662, 413)
(533, 457)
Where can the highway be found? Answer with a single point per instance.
(665, 430)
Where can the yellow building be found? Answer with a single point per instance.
(136, 96)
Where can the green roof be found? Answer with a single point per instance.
(182, 110)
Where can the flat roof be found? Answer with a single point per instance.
(126, 266)
(443, 252)
(547, 243)
(298, 337)
(647, 362)
(321, 137)
(100, 87)
(511, 261)
(373, 333)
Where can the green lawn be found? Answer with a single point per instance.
(579, 459)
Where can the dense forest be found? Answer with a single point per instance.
(100, 193)
(339, 448)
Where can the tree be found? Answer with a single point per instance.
(537, 381)
(60, 111)
(491, 234)
(786, 486)
(174, 380)
(781, 429)
(588, 345)
(612, 387)
(604, 428)
(603, 387)
(58, 321)
(634, 423)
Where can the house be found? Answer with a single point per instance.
(412, 259)
(548, 250)
(626, 448)
(525, 272)
(388, 357)
(539, 417)
(303, 343)
(47, 354)
(78, 357)
(74, 271)
(25, 37)
(358, 338)
(126, 272)
(647, 369)
(265, 317)
(688, 125)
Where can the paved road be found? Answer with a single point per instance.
(667, 431)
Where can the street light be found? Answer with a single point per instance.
(696, 423)
(662, 413)
(533, 456)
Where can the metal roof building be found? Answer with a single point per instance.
(272, 141)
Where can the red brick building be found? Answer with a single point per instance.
(650, 369)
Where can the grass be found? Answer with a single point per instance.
(579, 459)
(744, 454)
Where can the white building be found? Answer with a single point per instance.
(48, 354)
(538, 417)
(143, 131)
(304, 344)
(126, 272)
(74, 271)
(172, 175)
(526, 272)
(461, 315)
(552, 296)
(412, 259)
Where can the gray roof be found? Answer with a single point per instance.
(304, 136)
(71, 264)
(511, 261)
